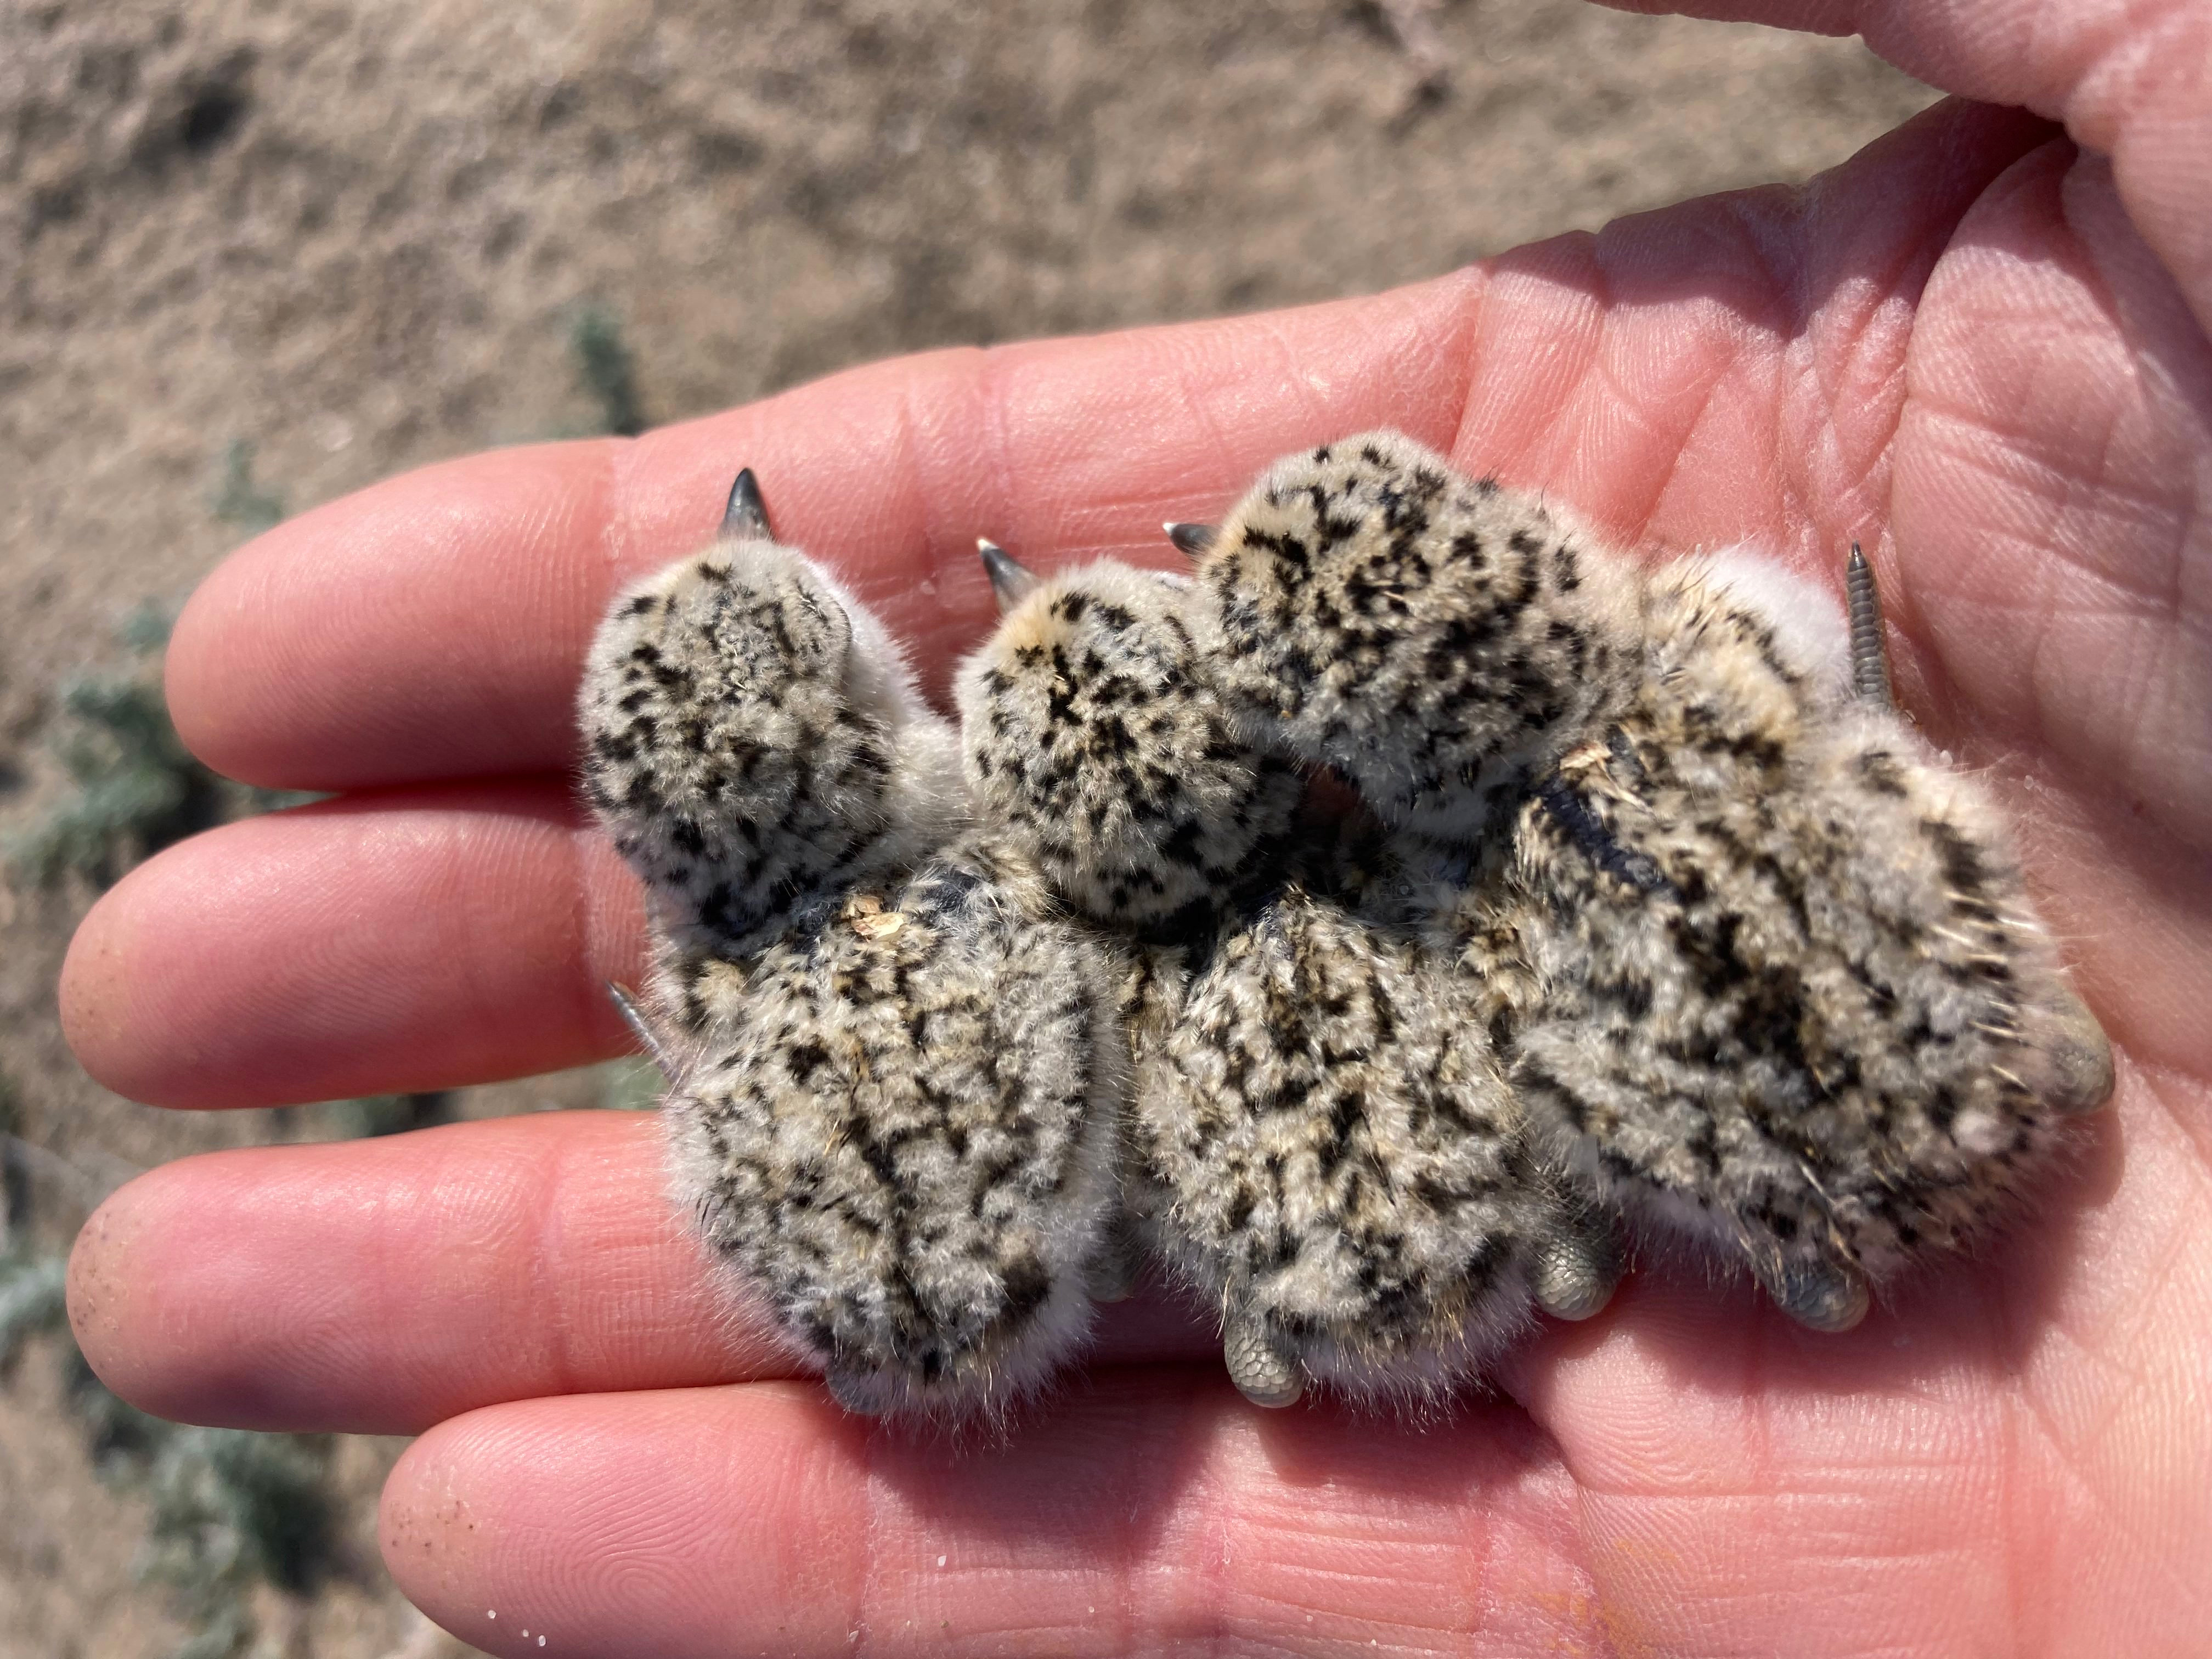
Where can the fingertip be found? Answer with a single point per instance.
(604, 1521)
(428, 1511)
(148, 992)
(432, 1521)
(105, 1291)
(150, 1279)
(307, 659)
(204, 637)
(96, 992)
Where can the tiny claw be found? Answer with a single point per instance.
(1263, 1372)
(1869, 647)
(1821, 1296)
(861, 1395)
(635, 1018)
(1012, 581)
(1193, 538)
(1576, 1272)
(2080, 1058)
(745, 519)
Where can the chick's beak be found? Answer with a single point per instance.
(1011, 580)
(745, 519)
(1193, 538)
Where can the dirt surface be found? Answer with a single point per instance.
(358, 237)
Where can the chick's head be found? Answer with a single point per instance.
(1096, 743)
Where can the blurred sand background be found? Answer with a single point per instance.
(358, 237)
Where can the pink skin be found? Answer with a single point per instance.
(1976, 349)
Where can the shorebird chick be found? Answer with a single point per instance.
(1429, 639)
(1314, 1145)
(905, 1133)
(893, 1080)
(753, 740)
(1337, 1163)
(1099, 764)
(1762, 962)
(1091, 737)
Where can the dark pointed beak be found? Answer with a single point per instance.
(1011, 580)
(1193, 538)
(745, 519)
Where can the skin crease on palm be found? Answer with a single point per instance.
(1976, 349)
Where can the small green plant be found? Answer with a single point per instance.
(229, 1510)
(15, 1183)
(605, 371)
(137, 789)
(238, 499)
(232, 1508)
(390, 1115)
(30, 1299)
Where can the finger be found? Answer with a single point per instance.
(367, 945)
(433, 626)
(2130, 79)
(379, 1287)
(1155, 1513)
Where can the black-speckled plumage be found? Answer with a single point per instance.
(1761, 965)
(1320, 1143)
(897, 1070)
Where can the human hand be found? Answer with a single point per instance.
(1975, 350)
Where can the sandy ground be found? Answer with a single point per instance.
(357, 237)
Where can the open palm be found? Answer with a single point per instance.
(1978, 350)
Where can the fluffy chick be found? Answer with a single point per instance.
(1090, 733)
(1330, 1154)
(894, 1073)
(1101, 769)
(754, 740)
(902, 1125)
(1313, 1145)
(1429, 638)
(1762, 963)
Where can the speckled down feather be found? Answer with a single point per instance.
(904, 1130)
(753, 740)
(1761, 964)
(1091, 732)
(1774, 975)
(1324, 1147)
(1368, 609)
(1320, 1143)
(896, 1072)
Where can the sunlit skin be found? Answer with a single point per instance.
(1976, 349)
